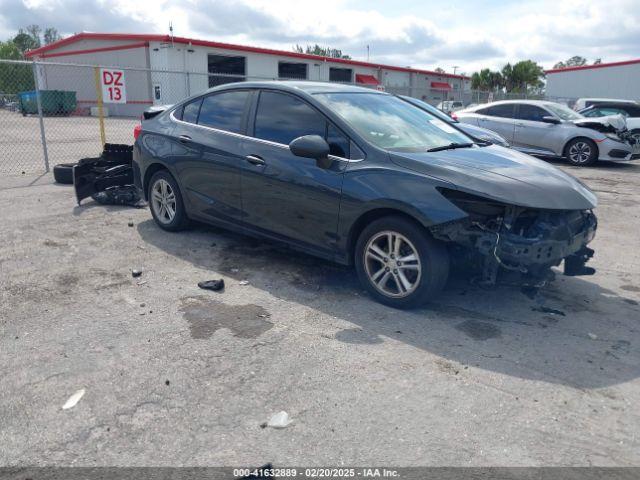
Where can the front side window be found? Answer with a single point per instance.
(531, 113)
(224, 111)
(280, 118)
(563, 112)
(391, 123)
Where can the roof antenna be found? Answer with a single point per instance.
(171, 33)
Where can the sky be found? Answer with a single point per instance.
(466, 34)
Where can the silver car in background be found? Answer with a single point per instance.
(546, 128)
(475, 132)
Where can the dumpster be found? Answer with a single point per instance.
(54, 102)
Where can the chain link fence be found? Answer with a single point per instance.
(50, 112)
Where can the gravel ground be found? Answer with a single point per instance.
(175, 375)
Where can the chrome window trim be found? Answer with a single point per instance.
(259, 140)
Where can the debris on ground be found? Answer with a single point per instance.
(141, 282)
(279, 420)
(73, 399)
(215, 285)
(130, 224)
(552, 311)
(120, 195)
(592, 336)
(243, 282)
(136, 273)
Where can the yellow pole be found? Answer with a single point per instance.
(100, 110)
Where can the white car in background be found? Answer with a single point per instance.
(550, 129)
(582, 103)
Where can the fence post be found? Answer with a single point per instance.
(43, 138)
(96, 71)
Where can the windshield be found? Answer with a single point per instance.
(565, 113)
(391, 123)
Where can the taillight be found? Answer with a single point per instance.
(136, 131)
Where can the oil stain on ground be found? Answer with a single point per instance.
(479, 330)
(205, 316)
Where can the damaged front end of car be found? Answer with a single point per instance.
(521, 240)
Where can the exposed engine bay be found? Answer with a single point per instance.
(518, 239)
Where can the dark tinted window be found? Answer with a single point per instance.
(190, 111)
(338, 143)
(281, 118)
(225, 65)
(292, 70)
(224, 111)
(531, 113)
(504, 110)
(340, 74)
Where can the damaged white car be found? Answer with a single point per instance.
(550, 129)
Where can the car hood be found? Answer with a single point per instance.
(610, 123)
(482, 133)
(502, 174)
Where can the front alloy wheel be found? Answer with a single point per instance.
(399, 263)
(582, 151)
(392, 264)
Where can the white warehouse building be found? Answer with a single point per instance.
(619, 80)
(161, 69)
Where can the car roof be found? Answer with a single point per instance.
(299, 85)
(511, 102)
(616, 100)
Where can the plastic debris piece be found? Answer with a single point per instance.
(215, 285)
(592, 336)
(130, 224)
(136, 273)
(243, 282)
(73, 399)
(279, 420)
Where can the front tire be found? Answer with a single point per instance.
(165, 202)
(399, 263)
(581, 152)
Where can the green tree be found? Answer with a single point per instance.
(25, 41)
(439, 70)
(487, 80)
(524, 76)
(51, 35)
(14, 77)
(322, 51)
(575, 61)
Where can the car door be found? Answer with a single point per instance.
(284, 196)
(209, 153)
(531, 132)
(498, 118)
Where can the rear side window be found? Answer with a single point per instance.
(190, 111)
(280, 118)
(224, 111)
(504, 110)
(531, 113)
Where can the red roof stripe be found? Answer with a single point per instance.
(599, 65)
(65, 53)
(228, 46)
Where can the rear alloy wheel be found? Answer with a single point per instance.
(399, 264)
(634, 137)
(165, 202)
(582, 152)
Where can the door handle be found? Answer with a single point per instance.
(255, 160)
(184, 138)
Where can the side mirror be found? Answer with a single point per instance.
(312, 146)
(550, 119)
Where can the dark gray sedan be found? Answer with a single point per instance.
(361, 177)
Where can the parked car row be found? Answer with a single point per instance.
(546, 128)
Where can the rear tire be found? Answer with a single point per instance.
(634, 136)
(399, 263)
(165, 202)
(581, 152)
(63, 173)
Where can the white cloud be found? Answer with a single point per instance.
(469, 34)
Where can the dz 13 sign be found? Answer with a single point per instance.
(113, 86)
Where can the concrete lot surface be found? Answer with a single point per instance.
(175, 375)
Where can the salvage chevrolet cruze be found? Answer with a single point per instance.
(361, 177)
